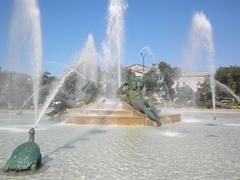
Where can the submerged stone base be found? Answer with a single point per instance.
(124, 116)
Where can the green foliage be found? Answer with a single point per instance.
(150, 80)
(46, 85)
(161, 78)
(15, 88)
(204, 94)
(185, 95)
(170, 74)
(204, 97)
(126, 73)
(234, 106)
(47, 78)
(230, 76)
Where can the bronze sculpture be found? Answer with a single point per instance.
(26, 156)
(90, 92)
(131, 92)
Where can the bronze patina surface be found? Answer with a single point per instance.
(26, 156)
(132, 93)
(90, 92)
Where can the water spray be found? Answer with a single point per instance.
(85, 53)
(227, 89)
(148, 50)
(202, 39)
(113, 46)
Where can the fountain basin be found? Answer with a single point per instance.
(125, 116)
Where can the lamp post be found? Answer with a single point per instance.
(143, 58)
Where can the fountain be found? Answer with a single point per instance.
(90, 93)
(113, 47)
(143, 53)
(201, 40)
(107, 106)
(27, 101)
(110, 152)
(89, 60)
(85, 53)
(26, 47)
(134, 109)
(27, 17)
(103, 111)
(26, 42)
(145, 50)
(224, 88)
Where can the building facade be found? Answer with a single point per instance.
(192, 79)
(138, 69)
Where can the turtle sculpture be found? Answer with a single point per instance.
(26, 156)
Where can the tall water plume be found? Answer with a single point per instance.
(201, 44)
(88, 53)
(113, 46)
(25, 47)
(88, 66)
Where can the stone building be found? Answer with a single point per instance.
(192, 79)
(137, 69)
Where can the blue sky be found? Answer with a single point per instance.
(161, 24)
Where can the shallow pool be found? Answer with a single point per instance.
(196, 148)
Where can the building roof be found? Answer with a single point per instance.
(138, 68)
(195, 74)
(137, 65)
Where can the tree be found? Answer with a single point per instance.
(15, 88)
(185, 95)
(151, 79)
(230, 76)
(169, 76)
(47, 78)
(204, 94)
(160, 78)
(47, 81)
